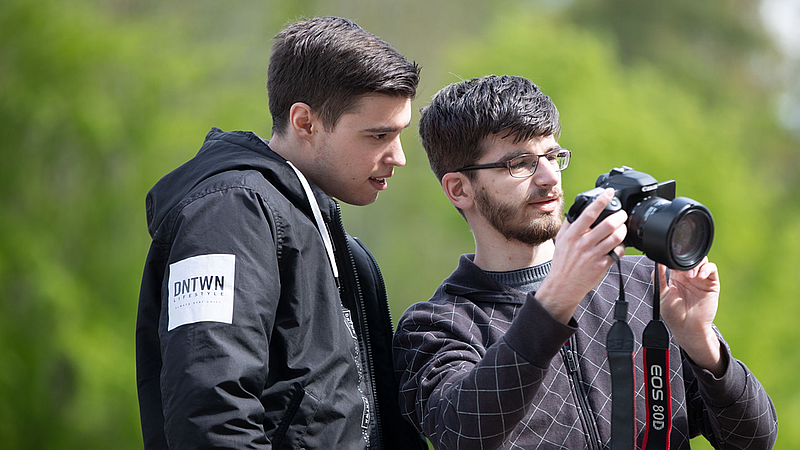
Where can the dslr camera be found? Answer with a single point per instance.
(676, 232)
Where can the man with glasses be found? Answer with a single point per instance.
(510, 350)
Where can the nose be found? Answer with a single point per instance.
(546, 174)
(395, 154)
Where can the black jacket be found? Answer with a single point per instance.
(243, 339)
(484, 366)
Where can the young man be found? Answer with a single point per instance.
(261, 323)
(510, 350)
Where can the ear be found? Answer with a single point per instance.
(458, 190)
(302, 120)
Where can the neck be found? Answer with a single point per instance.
(502, 255)
(281, 146)
(292, 150)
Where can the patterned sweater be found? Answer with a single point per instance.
(484, 366)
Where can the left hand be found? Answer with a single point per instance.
(688, 305)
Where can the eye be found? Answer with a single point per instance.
(521, 163)
(379, 137)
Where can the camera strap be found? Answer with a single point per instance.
(658, 395)
(619, 346)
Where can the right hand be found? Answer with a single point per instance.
(581, 257)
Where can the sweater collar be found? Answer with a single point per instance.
(470, 281)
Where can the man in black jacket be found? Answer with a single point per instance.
(510, 350)
(261, 323)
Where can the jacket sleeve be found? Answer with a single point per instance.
(215, 364)
(459, 391)
(733, 411)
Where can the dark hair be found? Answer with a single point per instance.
(460, 116)
(328, 63)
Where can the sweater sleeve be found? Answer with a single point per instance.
(215, 348)
(733, 411)
(462, 389)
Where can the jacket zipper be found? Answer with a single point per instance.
(384, 296)
(364, 327)
(571, 363)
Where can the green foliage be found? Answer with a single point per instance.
(100, 99)
(94, 107)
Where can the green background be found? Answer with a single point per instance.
(99, 99)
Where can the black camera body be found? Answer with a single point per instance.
(676, 232)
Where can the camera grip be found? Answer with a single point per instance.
(583, 200)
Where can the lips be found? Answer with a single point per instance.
(544, 200)
(547, 204)
(378, 182)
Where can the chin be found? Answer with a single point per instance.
(358, 201)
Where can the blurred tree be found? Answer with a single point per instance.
(706, 45)
(101, 98)
(97, 103)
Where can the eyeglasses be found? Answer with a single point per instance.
(523, 166)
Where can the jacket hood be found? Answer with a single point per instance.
(221, 152)
(470, 281)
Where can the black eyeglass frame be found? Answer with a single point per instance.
(507, 164)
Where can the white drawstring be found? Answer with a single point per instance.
(326, 237)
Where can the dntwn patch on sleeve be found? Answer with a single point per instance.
(201, 290)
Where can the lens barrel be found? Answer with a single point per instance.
(676, 233)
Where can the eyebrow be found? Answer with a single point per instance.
(517, 152)
(385, 129)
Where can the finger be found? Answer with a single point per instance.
(700, 270)
(611, 241)
(565, 224)
(708, 271)
(619, 250)
(614, 221)
(593, 210)
(713, 274)
(687, 274)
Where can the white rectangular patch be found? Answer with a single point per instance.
(201, 290)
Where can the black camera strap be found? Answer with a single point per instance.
(658, 398)
(658, 395)
(619, 346)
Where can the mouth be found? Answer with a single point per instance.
(378, 182)
(546, 204)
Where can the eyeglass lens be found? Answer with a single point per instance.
(525, 165)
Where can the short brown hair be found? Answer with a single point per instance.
(328, 63)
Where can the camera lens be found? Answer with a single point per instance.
(690, 236)
(675, 233)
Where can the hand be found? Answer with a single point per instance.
(688, 305)
(581, 257)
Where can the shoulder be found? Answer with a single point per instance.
(238, 202)
(243, 190)
(455, 315)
